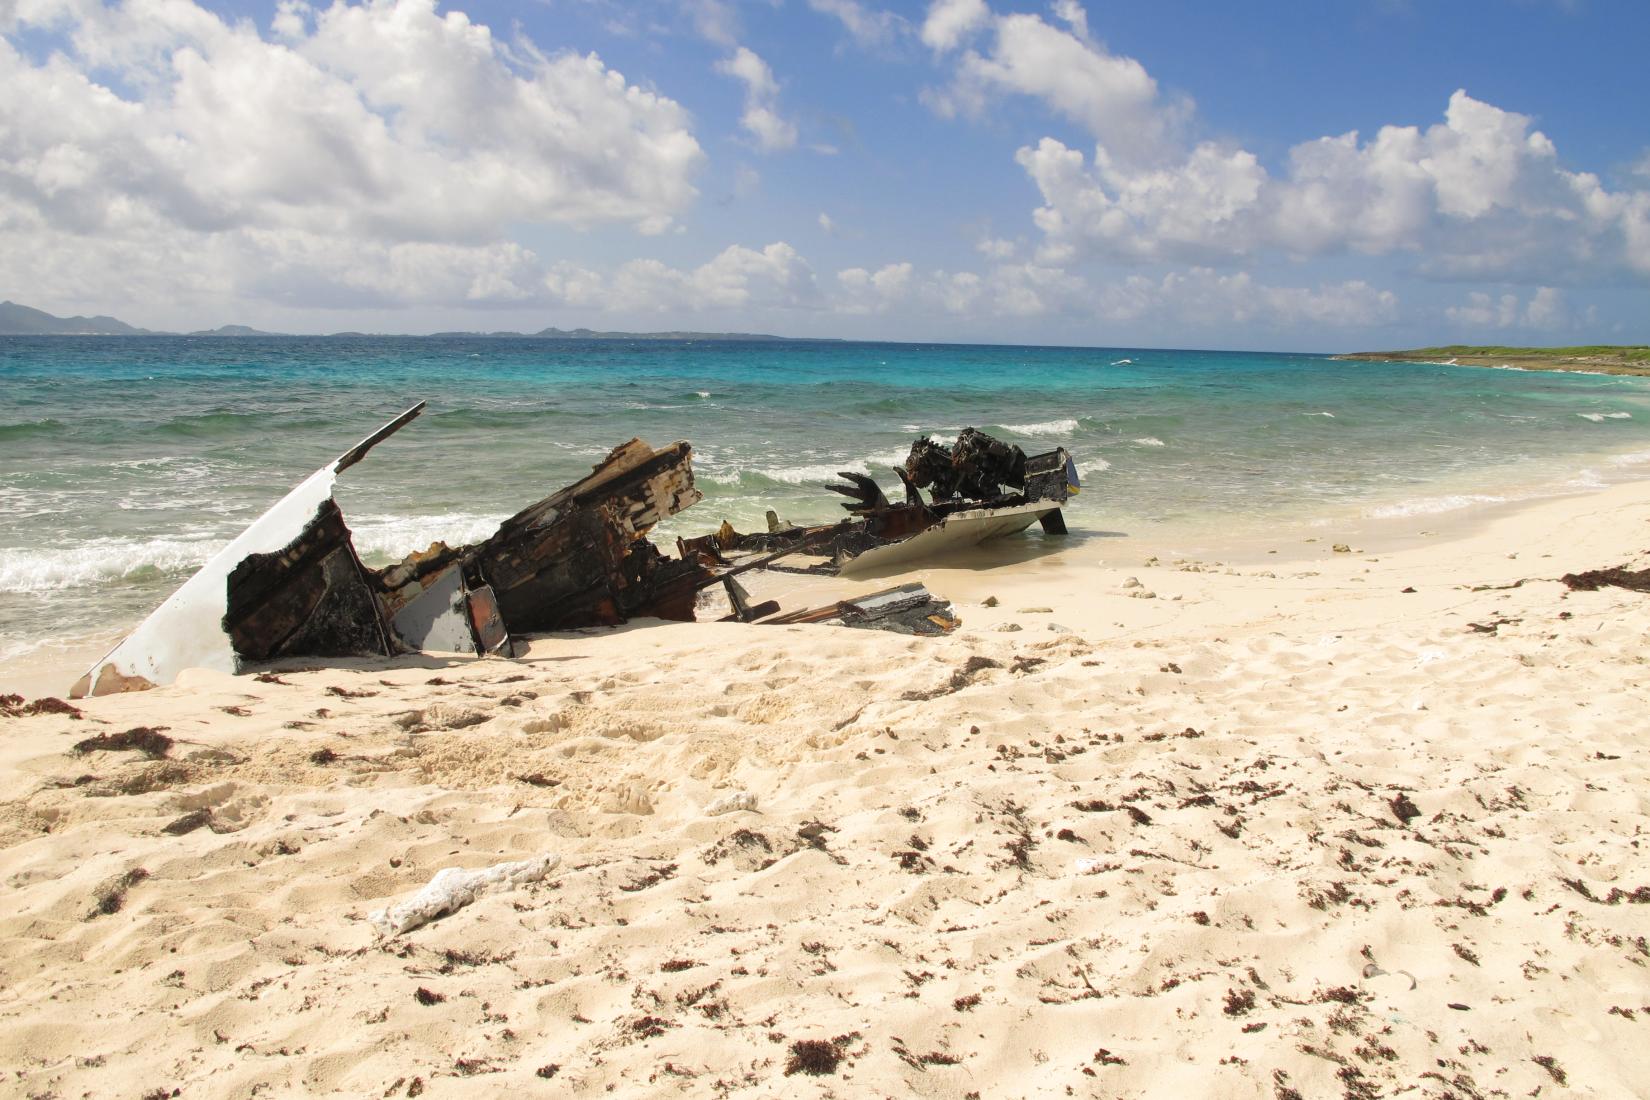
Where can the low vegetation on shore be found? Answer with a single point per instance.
(1597, 358)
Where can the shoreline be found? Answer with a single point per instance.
(1294, 538)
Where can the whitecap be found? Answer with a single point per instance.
(1599, 418)
(1093, 466)
(1150, 441)
(1122, 362)
(1046, 427)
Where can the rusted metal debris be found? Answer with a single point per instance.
(907, 609)
(979, 488)
(292, 585)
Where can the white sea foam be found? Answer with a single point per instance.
(807, 475)
(1046, 427)
(1599, 418)
(1121, 362)
(98, 561)
(1330, 415)
(1431, 506)
(1092, 466)
(1635, 458)
(814, 473)
(394, 536)
(1587, 479)
(1149, 441)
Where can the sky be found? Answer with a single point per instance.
(1312, 175)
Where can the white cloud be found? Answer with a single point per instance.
(1202, 297)
(1479, 194)
(950, 21)
(362, 148)
(863, 291)
(1196, 297)
(738, 278)
(1111, 97)
(761, 116)
(868, 26)
(826, 223)
(1547, 309)
(995, 248)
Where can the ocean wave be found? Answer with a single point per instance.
(100, 562)
(1599, 418)
(1587, 479)
(1092, 466)
(1634, 458)
(1046, 427)
(25, 429)
(224, 425)
(1330, 415)
(1150, 441)
(1431, 506)
(490, 418)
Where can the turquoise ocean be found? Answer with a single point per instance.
(126, 461)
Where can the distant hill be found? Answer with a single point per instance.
(16, 320)
(594, 334)
(232, 330)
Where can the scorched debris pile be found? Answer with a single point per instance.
(292, 585)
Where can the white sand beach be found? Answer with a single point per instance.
(1323, 824)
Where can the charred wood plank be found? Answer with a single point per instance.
(310, 598)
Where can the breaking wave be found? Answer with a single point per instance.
(1150, 441)
(1046, 427)
(101, 562)
(379, 539)
(1599, 418)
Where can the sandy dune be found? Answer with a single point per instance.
(1282, 830)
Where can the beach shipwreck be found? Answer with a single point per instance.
(293, 586)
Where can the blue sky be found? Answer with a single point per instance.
(1313, 176)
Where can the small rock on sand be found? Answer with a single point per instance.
(1132, 582)
(989, 601)
(1008, 628)
(1036, 610)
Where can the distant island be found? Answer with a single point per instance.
(18, 320)
(21, 320)
(595, 334)
(1631, 359)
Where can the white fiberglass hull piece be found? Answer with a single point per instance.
(955, 532)
(187, 630)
